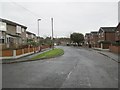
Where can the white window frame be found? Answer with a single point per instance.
(26, 35)
(23, 29)
(3, 26)
(18, 29)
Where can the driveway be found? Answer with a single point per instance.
(77, 68)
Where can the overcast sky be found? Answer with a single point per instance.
(69, 17)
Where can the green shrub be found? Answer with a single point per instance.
(105, 42)
(116, 43)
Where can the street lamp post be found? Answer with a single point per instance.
(52, 33)
(38, 26)
(38, 34)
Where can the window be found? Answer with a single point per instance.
(11, 40)
(18, 29)
(27, 35)
(102, 34)
(7, 40)
(2, 26)
(2, 40)
(23, 30)
(32, 35)
(118, 33)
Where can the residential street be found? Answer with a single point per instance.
(77, 68)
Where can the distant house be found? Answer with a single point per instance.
(87, 39)
(106, 37)
(31, 37)
(94, 38)
(63, 41)
(39, 39)
(11, 34)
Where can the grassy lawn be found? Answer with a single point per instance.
(49, 54)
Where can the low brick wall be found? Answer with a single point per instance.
(115, 49)
(7, 53)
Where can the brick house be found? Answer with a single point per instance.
(117, 33)
(106, 37)
(11, 34)
(87, 39)
(115, 46)
(94, 38)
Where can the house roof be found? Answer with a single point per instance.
(30, 33)
(87, 34)
(94, 32)
(118, 27)
(12, 23)
(107, 29)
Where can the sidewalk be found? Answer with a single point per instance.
(24, 59)
(106, 53)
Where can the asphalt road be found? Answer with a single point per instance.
(77, 68)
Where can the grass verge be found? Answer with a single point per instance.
(49, 54)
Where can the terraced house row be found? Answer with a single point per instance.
(104, 38)
(15, 40)
(13, 35)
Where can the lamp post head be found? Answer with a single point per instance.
(39, 19)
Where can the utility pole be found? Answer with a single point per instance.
(52, 34)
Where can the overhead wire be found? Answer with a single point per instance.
(35, 15)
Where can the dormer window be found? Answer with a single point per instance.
(27, 35)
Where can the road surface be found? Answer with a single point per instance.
(77, 68)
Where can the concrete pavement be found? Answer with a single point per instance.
(109, 54)
(77, 68)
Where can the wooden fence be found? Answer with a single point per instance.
(10, 53)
